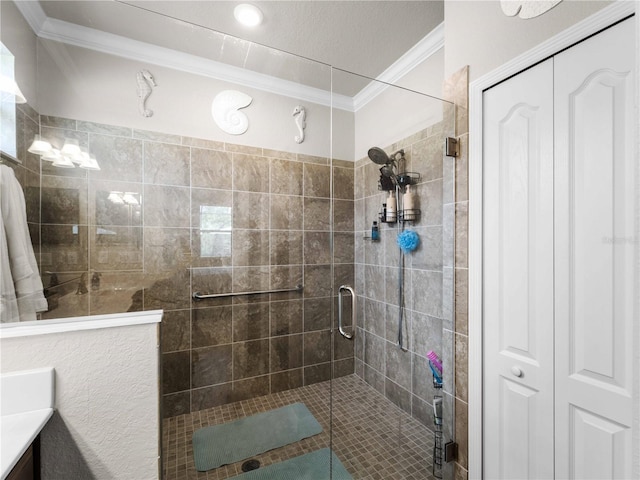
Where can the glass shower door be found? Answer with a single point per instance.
(387, 401)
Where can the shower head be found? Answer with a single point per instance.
(388, 178)
(379, 156)
(387, 173)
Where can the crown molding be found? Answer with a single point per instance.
(32, 13)
(417, 54)
(84, 37)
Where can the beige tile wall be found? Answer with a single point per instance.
(124, 257)
(403, 377)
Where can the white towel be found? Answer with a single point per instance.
(21, 293)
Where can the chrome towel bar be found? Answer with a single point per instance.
(200, 296)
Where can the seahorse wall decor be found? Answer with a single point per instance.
(300, 115)
(146, 82)
(225, 110)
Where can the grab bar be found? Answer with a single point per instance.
(200, 296)
(353, 311)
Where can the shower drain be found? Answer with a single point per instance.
(250, 465)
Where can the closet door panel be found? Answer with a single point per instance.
(518, 276)
(595, 197)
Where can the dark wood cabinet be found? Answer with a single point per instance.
(28, 467)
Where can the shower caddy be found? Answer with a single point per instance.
(402, 215)
(437, 431)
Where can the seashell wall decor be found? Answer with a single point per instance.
(527, 8)
(225, 110)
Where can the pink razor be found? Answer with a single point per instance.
(435, 360)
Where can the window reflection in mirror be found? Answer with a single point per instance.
(9, 95)
(215, 231)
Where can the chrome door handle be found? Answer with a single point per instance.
(353, 311)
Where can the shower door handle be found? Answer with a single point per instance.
(353, 311)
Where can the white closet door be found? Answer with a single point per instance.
(595, 189)
(518, 276)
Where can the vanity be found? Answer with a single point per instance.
(102, 419)
(26, 404)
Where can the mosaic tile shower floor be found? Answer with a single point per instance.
(373, 438)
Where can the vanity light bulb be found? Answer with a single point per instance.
(63, 162)
(39, 146)
(52, 156)
(130, 199)
(90, 163)
(71, 148)
(115, 197)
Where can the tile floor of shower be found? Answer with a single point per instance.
(372, 437)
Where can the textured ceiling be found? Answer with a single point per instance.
(364, 37)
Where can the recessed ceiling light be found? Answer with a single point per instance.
(248, 15)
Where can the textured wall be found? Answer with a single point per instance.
(106, 423)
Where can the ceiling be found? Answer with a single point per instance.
(365, 37)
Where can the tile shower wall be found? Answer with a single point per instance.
(403, 377)
(167, 216)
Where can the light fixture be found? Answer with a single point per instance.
(71, 147)
(82, 157)
(248, 15)
(39, 146)
(115, 197)
(72, 154)
(63, 162)
(130, 199)
(10, 90)
(51, 156)
(90, 164)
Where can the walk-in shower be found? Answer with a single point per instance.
(244, 240)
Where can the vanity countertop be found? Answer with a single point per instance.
(18, 432)
(26, 405)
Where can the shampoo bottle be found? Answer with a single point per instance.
(408, 204)
(391, 207)
(375, 232)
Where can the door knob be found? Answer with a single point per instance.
(516, 371)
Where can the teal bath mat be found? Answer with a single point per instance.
(231, 442)
(311, 466)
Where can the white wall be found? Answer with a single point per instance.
(84, 84)
(106, 423)
(398, 113)
(479, 34)
(18, 37)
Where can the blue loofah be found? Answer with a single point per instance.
(408, 241)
